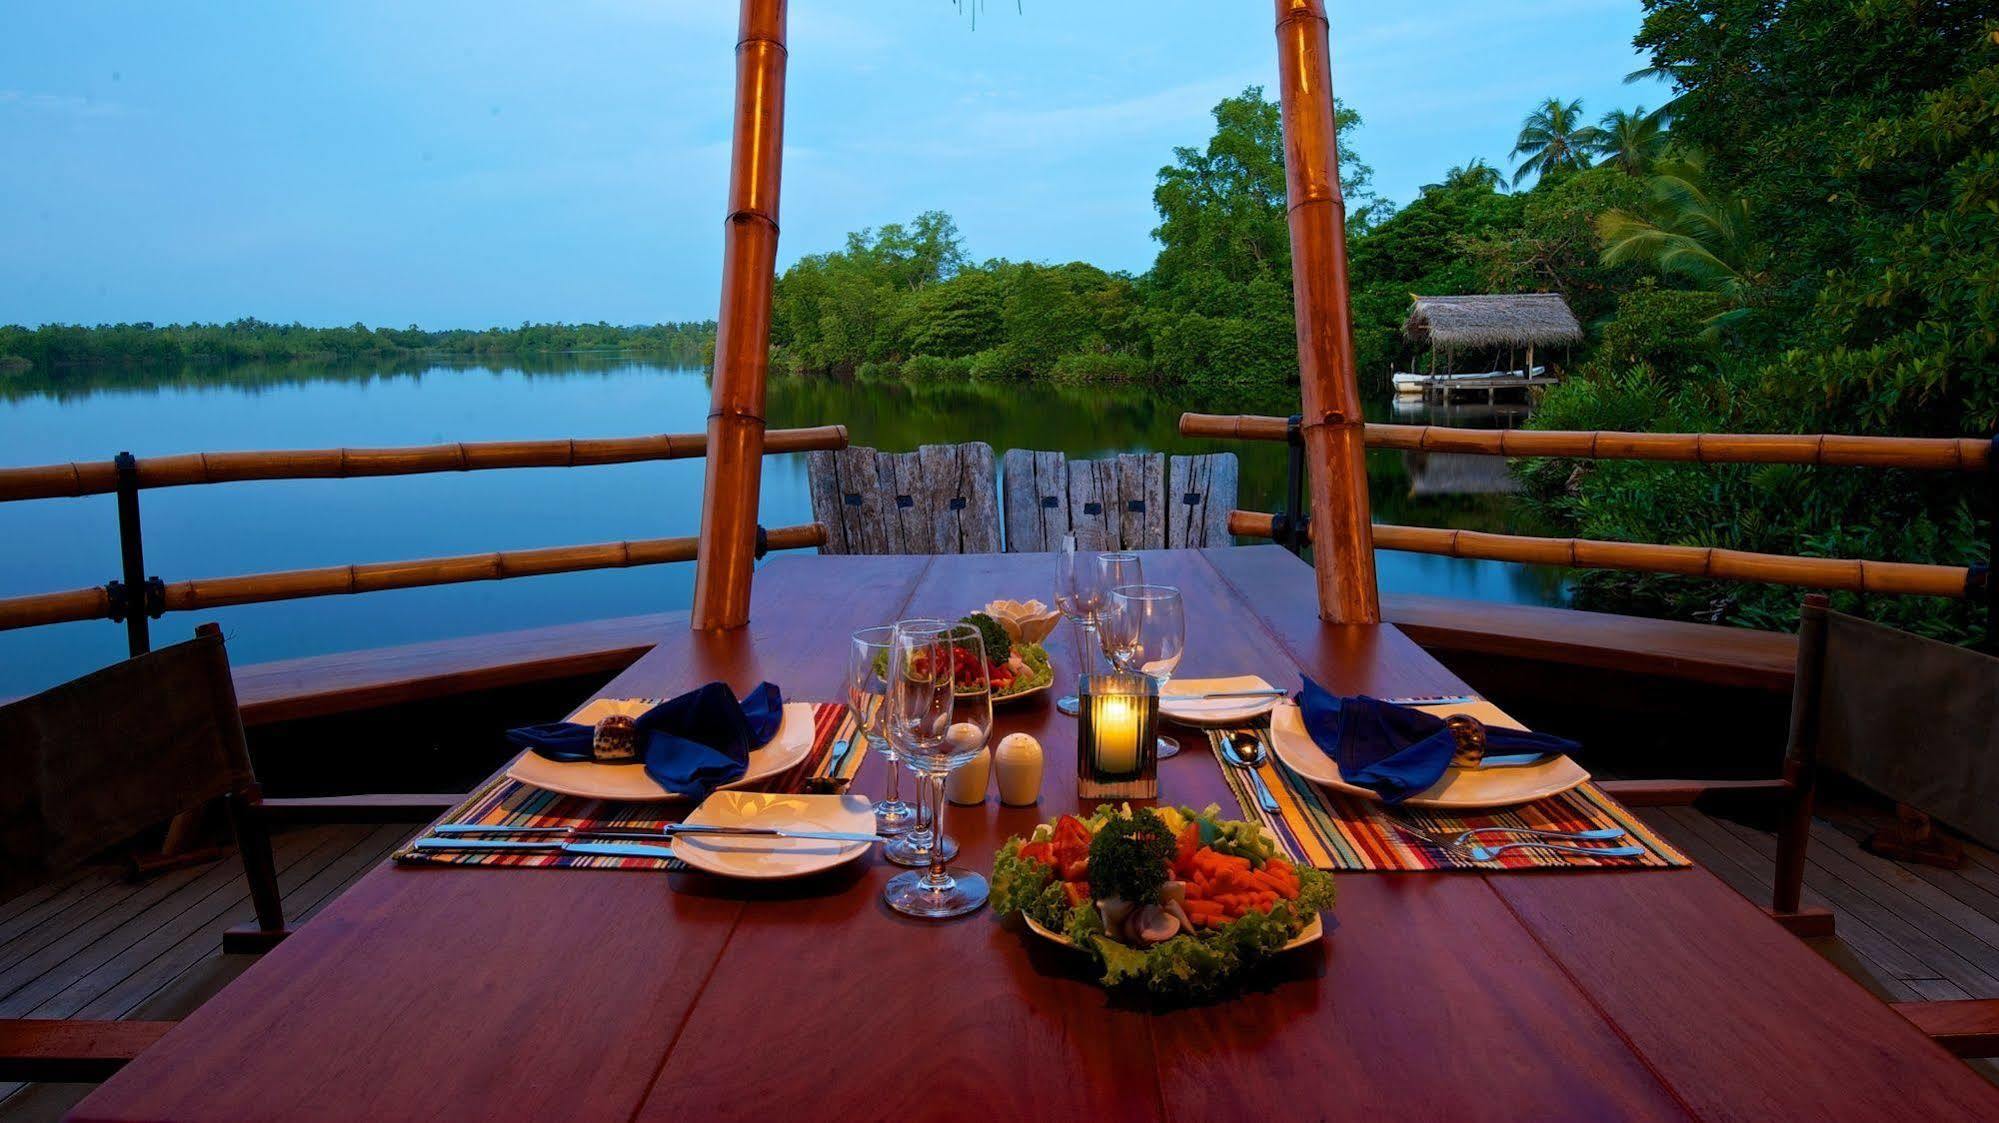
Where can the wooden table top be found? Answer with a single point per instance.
(481, 993)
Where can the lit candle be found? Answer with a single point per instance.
(1117, 735)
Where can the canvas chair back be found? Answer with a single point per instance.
(1913, 718)
(92, 762)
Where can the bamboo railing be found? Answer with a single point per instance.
(136, 596)
(98, 477)
(1690, 561)
(370, 577)
(1826, 450)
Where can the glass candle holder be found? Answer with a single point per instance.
(1117, 743)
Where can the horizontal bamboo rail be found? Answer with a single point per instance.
(217, 592)
(1691, 561)
(97, 477)
(1829, 450)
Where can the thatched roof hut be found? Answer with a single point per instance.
(1528, 319)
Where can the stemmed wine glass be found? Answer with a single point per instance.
(867, 664)
(1079, 593)
(1118, 569)
(939, 715)
(1144, 630)
(912, 847)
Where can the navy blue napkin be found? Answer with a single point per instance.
(1395, 750)
(689, 745)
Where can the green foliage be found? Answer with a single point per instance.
(1130, 856)
(992, 636)
(1845, 216)
(54, 346)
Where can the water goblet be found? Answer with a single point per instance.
(941, 709)
(1079, 593)
(1144, 629)
(912, 847)
(867, 664)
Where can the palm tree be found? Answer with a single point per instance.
(1554, 139)
(1632, 139)
(1477, 175)
(1690, 230)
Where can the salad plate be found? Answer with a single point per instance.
(791, 744)
(1459, 789)
(1015, 668)
(1179, 901)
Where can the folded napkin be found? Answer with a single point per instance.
(1394, 750)
(689, 745)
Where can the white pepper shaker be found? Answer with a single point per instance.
(1018, 762)
(966, 785)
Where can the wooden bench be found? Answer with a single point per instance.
(319, 685)
(1133, 501)
(940, 499)
(1674, 649)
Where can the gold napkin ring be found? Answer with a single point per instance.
(1469, 733)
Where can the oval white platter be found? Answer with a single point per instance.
(790, 744)
(1315, 929)
(1459, 788)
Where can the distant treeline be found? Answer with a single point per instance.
(63, 345)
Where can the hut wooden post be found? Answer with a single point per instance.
(1343, 548)
(742, 339)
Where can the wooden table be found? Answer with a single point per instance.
(473, 993)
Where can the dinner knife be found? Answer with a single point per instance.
(769, 832)
(1433, 700)
(550, 846)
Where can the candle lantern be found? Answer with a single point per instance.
(1117, 744)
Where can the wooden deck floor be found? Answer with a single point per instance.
(97, 946)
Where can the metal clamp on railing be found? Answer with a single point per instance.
(763, 542)
(1290, 527)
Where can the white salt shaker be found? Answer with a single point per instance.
(1018, 762)
(967, 783)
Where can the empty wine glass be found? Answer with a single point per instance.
(1079, 593)
(1118, 569)
(1144, 629)
(940, 711)
(912, 847)
(867, 664)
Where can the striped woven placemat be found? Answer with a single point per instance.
(509, 803)
(1340, 832)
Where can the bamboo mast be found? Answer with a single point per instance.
(742, 339)
(1343, 549)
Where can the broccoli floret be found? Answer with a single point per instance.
(998, 644)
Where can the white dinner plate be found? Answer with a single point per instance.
(792, 743)
(1175, 703)
(766, 858)
(1458, 789)
(1314, 929)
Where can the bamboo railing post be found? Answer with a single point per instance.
(742, 338)
(1343, 552)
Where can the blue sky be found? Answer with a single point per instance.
(462, 163)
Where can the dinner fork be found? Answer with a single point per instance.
(1487, 854)
(1226, 749)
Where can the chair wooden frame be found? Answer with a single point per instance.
(74, 1050)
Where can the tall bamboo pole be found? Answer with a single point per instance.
(742, 339)
(1343, 550)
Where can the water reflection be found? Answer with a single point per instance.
(253, 527)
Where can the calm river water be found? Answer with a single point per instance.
(240, 528)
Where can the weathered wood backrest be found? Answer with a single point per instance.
(939, 499)
(1913, 718)
(92, 762)
(1134, 501)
